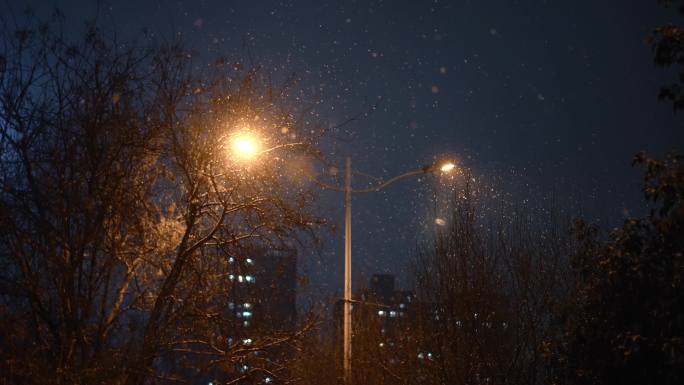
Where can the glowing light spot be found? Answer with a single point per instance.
(446, 167)
(245, 146)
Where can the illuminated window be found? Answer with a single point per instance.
(246, 314)
(402, 306)
(392, 313)
(247, 305)
(231, 277)
(231, 259)
(245, 323)
(249, 261)
(240, 278)
(249, 278)
(231, 305)
(381, 313)
(247, 341)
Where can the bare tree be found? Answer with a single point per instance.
(119, 203)
(487, 287)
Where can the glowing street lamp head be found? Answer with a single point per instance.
(443, 167)
(245, 146)
(447, 167)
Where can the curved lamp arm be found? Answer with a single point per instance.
(432, 168)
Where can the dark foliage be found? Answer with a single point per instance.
(625, 323)
(668, 44)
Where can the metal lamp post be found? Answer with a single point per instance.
(347, 323)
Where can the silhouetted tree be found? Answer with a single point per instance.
(668, 44)
(625, 324)
(487, 285)
(119, 204)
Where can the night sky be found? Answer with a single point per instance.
(535, 96)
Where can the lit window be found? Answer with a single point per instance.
(249, 278)
(247, 341)
(421, 355)
(392, 313)
(245, 323)
(247, 305)
(246, 314)
(231, 277)
(240, 278)
(231, 305)
(231, 259)
(402, 306)
(249, 261)
(381, 313)
(381, 344)
(268, 380)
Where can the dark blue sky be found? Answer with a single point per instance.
(543, 95)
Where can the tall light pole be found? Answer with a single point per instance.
(347, 274)
(347, 326)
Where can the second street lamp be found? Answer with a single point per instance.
(443, 167)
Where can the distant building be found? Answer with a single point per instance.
(382, 287)
(261, 302)
(264, 290)
(388, 330)
(390, 312)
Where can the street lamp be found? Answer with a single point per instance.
(447, 166)
(443, 167)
